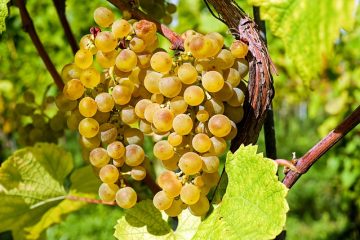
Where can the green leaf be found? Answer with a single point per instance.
(254, 205)
(144, 221)
(32, 192)
(3, 14)
(308, 29)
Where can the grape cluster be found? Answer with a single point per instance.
(122, 87)
(33, 121)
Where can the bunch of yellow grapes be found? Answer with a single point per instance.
(122, 87)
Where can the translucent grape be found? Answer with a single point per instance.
(198, 181)
(150, 110)
(116, 150)
(133, 136)
(109, 174)
(106, 59)
(105, 41)
(210, 163)
(108, 132)
(201, 142)
(170, 86)
(219, 125)
(162, 201)
(127, 115)
(161, 62)
(70, 71)
(239, 49)
(87, 107)
(141, 106)
(126, 197)
(99, 157)
(88, 127)
(101, 117)
(190, 194)
(237, 99)
(121, 94)
(233, 131)
(73, 89)
(190, 163)
(163, 150)
(211, 179)
(214, 106)
(121, 28)
(201, 47)
(83, 58)
(172, 163)
(145, 126)
(157, 98)
(225, 93)
(144, 60)
(162, 119)
(90, 77)
(126, 60)
(175, 139)
(87, 43)
(233, 77)
(171, 8)
(218, 146)
(134, 155)
(104, 102)
(224, 59)
(90, 143)
(235, 114)
(178, 105)
(187, 73)
(202, 115)
(194, 95)
(175, 209)
(107, 192)
(73, 120)
(151, 81)
(212, 81)
(169, 182)
(182, 124)
(145, 30)
(201, 207)
(138, 173)
(137, 45)
(103, 16)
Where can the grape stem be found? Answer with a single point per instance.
(60, 9)
(304, 163)
(175, 39)
(89, 200)
(28, 26)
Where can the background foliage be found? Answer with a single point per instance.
(314, 45)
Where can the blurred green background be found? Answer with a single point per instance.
(324, 203)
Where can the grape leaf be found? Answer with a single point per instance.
(3, 14)
(144, 221)
(32, 192)
(254, 205)
(308, 29)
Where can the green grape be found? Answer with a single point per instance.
(87, 43)
(121, 28)
(201, 142)
(138, 173)
(105, 41)
(134, 155)
(219, 125)
(202, 115)
(70, 71)
(74, 119)
(233, 77)
(126, 60)
(133, 136)
(87, 107)
(178, 105)
(239, 49)
(116, 150)
(28, 96)
(145, 30)
(90, 143)
(235, 114)
(182, 124)
(225, 93)
(169, 182)
(104, 102)
(161, 62)
(137, 45)
(99, 157)
(211, 179)
(107, 192)
(109, 174)
(38, 121)
(170, 86)
(210, 163)
(201, 207)
(171, 8)
(150, 110)
(187, 73)
(151, 81)
(83, 58)
(141, 106)
(88, 127)
(175, 139)
(175, 209)
(162, 201)
(36, 135)
(108, 133)
(73, 89)
(145, 126)
(224, 59)
(190, 163)
(157, 98)
(103, 16)
(127, 115)
(194, 95)
(162, 119)
(126, 197)
(62, 102)
(212, 81)
(190, 194)
(57, 122)
(167, 19)
(214, 106)
(106, 59)
(218, 146)
(163, 150)
(90, 77)
(121, 94)
(237, 99)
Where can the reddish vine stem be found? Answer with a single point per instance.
(89, 200)
(28, 26)
(174, 38)
(60, 9)
(305, 162)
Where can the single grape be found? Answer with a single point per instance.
(224, 59)
(108, 133)
(175, 139)
(157, 98)
(235, 114)
(90, 77)
(126, 197)
(190, 163)
(87, 43)
(162, 201)
(109, 174)
(105, 41)
(127, 115)
(219, 125)
(134, 155)
(121, 94)
(170, 86)
(137, 45)
(163, 150)
(202, 115)
(214, 106)
(210, 163)
(70, 71)
(90, 143)
(145, 29)
(116, 150)
(138, 173)
(73, 89)
(103, 16)
(104, 102)
(178, 105)
(87, 107)
(145, 126)
(99, 157)
(211, 179)
(106, 59)
(198, 181)
(162, 119)
(172, 163)
(175, 209)
(121, 28)
(194, 95)
(107, 192)
(88, 127)
(161, 62)
(225, 93)
(190, 194)
(133, 136)
(218, 146)
(182, 124)
(169, 182)
(187, 73)
(237, 99)
(201, 142)
(151, 81)
(150, 110)
(171, 8)
(74, 119)
(83, 58)
(233, 77)
(126, 60)
(201, 207)
(239, 49)
(212, 81)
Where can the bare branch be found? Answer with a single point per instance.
(306, 161)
